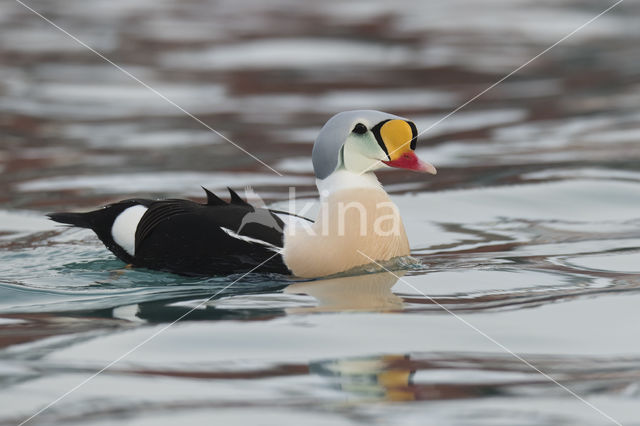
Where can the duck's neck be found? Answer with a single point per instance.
(343, 179)
(357, 222)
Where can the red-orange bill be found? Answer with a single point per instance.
(410, 161)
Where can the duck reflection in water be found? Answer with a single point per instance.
(369, 292)
(386, 377)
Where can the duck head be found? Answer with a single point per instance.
(363, 141)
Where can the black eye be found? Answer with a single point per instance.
(360, 129)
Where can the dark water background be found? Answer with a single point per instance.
(530, 231)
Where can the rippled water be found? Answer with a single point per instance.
(529, 234)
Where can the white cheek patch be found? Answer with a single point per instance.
(362, 155)
(124, 228)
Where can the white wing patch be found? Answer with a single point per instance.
(251, 240)
(124, 228)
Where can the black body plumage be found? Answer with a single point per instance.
(189, 238)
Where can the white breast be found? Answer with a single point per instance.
(124, 228)
(354, 226)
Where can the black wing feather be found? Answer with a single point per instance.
(236, 199)
(186, 237)
(213, 199)
(158, 212)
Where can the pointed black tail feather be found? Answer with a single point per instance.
(76, 219)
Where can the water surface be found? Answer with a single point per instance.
(530, 233)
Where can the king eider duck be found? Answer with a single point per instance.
(357, 221)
